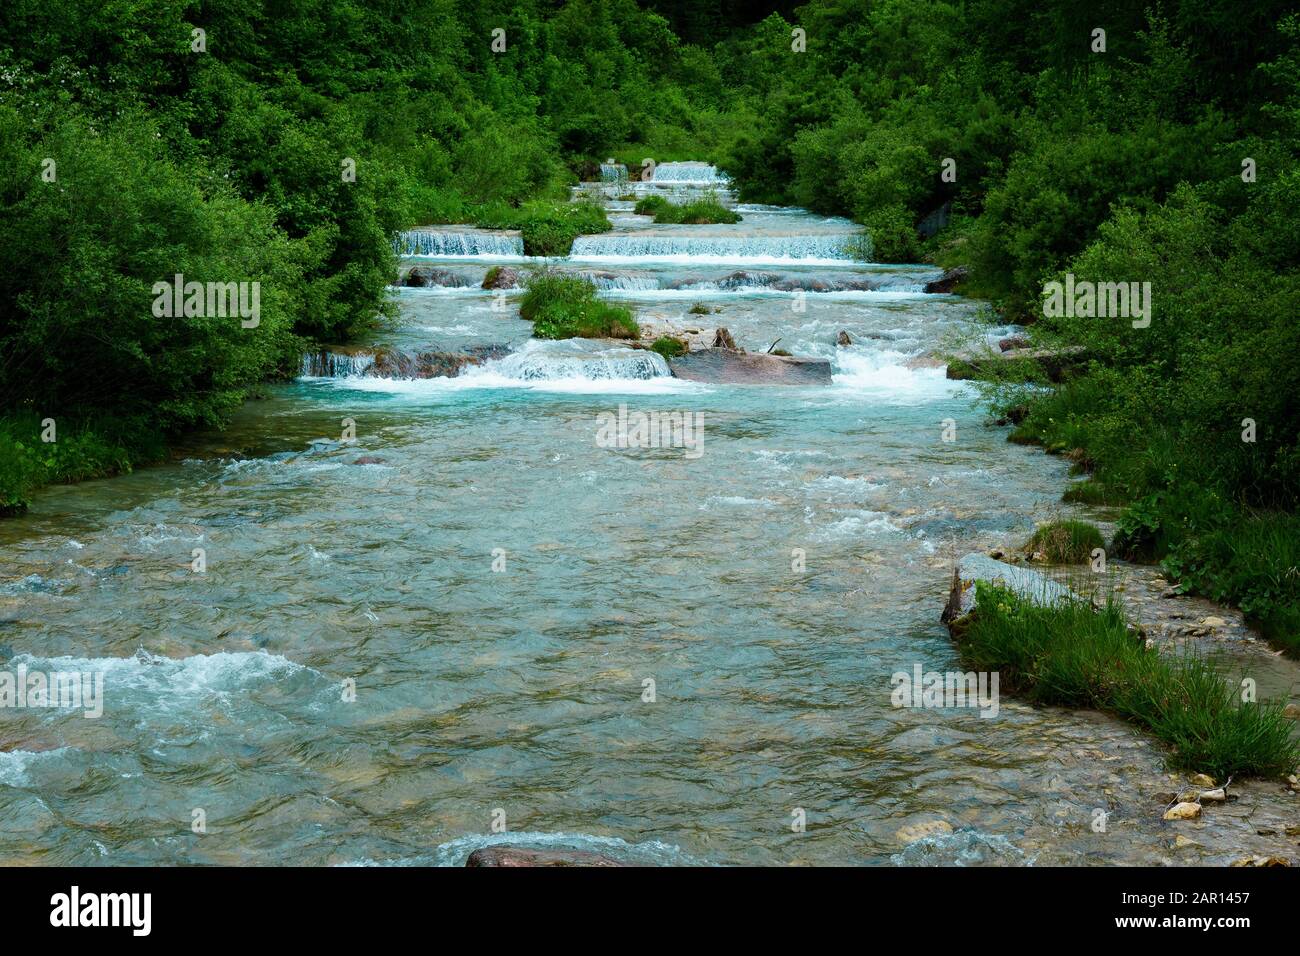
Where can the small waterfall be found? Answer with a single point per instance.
(326, 364)
(632, 246)
(545, 363)
(691, 172)
(613, 173)
(460, 245)
(617, 281)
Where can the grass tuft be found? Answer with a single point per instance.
(1074, 656)
(565, 306)
(1066, 542)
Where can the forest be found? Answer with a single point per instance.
(286, 142)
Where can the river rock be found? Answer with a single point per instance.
(392, 363)
(1013, 342)
(1292, 711)
(1183, 811)
(396, 363)
(722, 340)
(1261, 861)
(722, 366)
(920, 831)
(843, 339)
(1024, 582)
(747, 280)
(501, 277)
(802, 284)
(1202, 780)
(524, 856)
(948, 281)
(426, 276)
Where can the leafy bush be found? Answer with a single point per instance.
(548, 228)
(703, 211)
(565, 306)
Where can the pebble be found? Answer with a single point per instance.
(1183, 811)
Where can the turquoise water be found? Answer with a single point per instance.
(517, 693)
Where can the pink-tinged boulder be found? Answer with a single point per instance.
(524, 856)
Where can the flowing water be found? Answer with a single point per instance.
(500, 588)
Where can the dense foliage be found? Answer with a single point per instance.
(996, 134)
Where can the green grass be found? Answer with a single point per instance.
(1074, 656)
(548, 228)
(1091, 492)
(88, 446)
(1066, 542)
(701, 212)
(1251, 561)
(669, 347)
(565, 306)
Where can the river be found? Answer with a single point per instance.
(499, 589)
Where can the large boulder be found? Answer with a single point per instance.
(395, 363)
(721, 366)
(1025, 583)
(427, 276)
(524, 856)
(948, 281)
(502, 277)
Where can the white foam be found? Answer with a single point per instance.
(885, 375)
(649, 853)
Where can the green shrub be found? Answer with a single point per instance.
(565, 306)
(669, 347)
(84, 447)
(1066, 542)
(703, 211)
(1090, 492)
(650, 205)
(548, 228)
(1074, 656)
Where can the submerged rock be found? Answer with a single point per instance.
(395, 363)
(920, 831)
(948, 281)
(523, 856)
(426, 276)
(723, 366)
